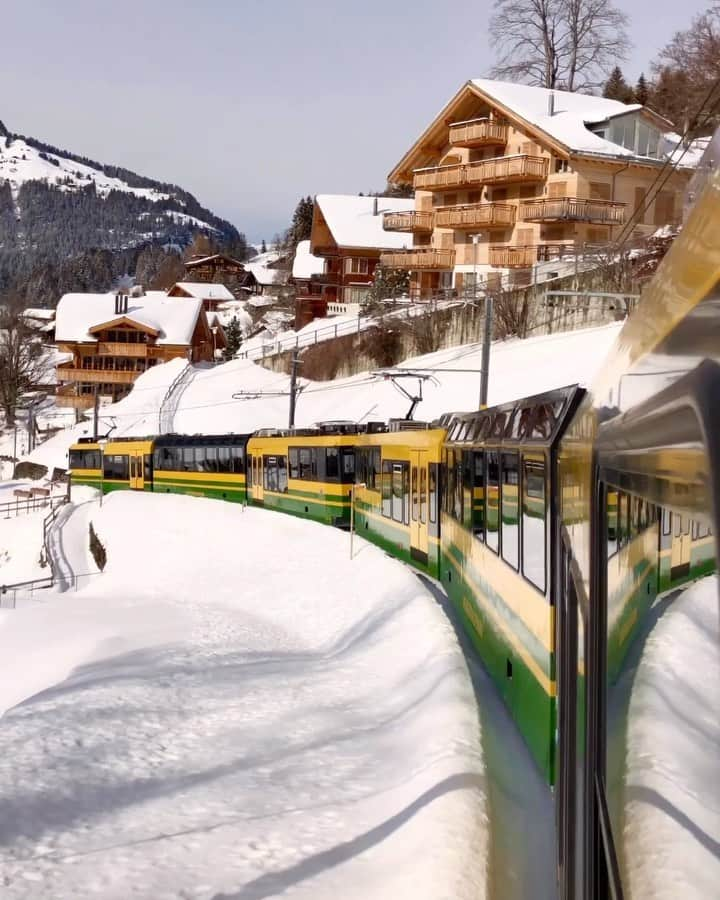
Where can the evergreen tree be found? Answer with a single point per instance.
(301, 226)
(641, 92)
(616, 88)
(233, 336)
(263, 246)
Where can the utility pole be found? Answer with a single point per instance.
(96, 412)
(293, 386)
(485, 363)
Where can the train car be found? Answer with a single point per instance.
(305, 472)
(396, 497)
(127, 464)
(201, 465)
(637, 624)
(497, 543)
(84, 461)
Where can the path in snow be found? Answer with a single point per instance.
(235, 709)
(69, 541)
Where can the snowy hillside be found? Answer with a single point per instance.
(241, 396)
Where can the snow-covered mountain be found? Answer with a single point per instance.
(56, 207)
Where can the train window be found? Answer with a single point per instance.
(623, 519)
(398, 492)
(386, 486)
(509, 524)
(238, 459)
(666, 523)
(249, 474)
(423, 495)
(147, 467)
(458, 482)
(612, 522)
(478, 495)
(414, 496)
(498, 425)
(492, 501)
(188, 459)
(348, 465)
(467, 472)
(293, 457)
(432, 492)
(534, 515)
(224, 460)
(448, 479)
(306, 464)
(211, 459)
(116, 467)
(84, 459)
(332, 467)
(282, 474)
(270, 473)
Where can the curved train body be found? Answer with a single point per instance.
(566, 529)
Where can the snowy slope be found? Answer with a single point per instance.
(517, 369)
(253, 724)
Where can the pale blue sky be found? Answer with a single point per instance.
(250, 104)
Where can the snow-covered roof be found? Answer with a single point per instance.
(306, 264)
(37, 313)
(264, 275)
(353, 222)
(199, 260)
(572, 113)
(204, 290)
(173, 318)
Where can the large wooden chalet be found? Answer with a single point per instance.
(218, 268)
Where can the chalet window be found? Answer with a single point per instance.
(599, 190)
(355, 294)
(529, 148)
(451, 199)
(446, 240)
(527, 191)
(639, 208)
(562, 165)
(557, 189)
(664, 208)
(356, 266)
(474, 197)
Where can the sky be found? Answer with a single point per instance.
(251, 105)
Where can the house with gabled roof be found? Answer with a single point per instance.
(219, 268)
(347, 233)
(109, 340)
(510, 179)
(210, 294)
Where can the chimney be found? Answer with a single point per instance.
(117, 304)
(125, 303)
(551, 103)
(375, 206)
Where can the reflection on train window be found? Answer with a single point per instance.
(432, 476)
(423, 495)
(305, 465)
(115, 467)
(492, 504)
(348, 464)
(457, 510)
(332, 469)
(623, 519)
(414, 496)
(534, 523)
(666, 523)
(84, 459)
(275, 473)
(478, 494)
(510, 518)
(612, 522)
(397, 492)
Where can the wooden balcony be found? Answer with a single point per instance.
(426, 260)
(75, 401)
(438, 178)
(96, 376)
(110, 348)
(508, 170)
(411, 222)
(507, 257)
(478, 133)
(486, 215)
(500, 170)
(571, 209)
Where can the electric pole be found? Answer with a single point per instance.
(96, 412)
(485, 363)
(293, 386)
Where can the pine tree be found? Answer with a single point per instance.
(233, 337)
(641, 92)
(301, 221)
(263, 246)
(616, 88)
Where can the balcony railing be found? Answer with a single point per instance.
(112, 348)
(95, 376)
(487, 215)
(500, 170)
(418, 259)
(478, 133)
(76, 401)
(571, 209)
(419, 221)
(507, 257)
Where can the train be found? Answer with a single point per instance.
(553, 523)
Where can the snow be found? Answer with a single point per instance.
(235, 309)
(517, 369)
(39, 313)
(670, 793)
(20, 163)
(352, 221)
(203, 290)
(572, 113)
(174, 318)
(305, 263)
(253, 726)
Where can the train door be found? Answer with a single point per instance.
(419, 505)
(258, 494)
(137, 479)
(680, 547)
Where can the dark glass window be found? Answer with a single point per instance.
(492, 501)
(211, 459)
(188, 459)
(332, 466)
(478, 494)
(224, 459)
(623, 519)
(397, 492)
(270, 473)
(406, 492)
(534, 523)
(116, 466)
(306, 464)
(423, 495)
(238, 459)
(294, 458)
(84, 459)
(348, 465)
(387, 488)
(282, 474)
(510, 509)
(414, 495)
(147, 467)
(432, 492)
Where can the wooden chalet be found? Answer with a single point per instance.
(218, 268)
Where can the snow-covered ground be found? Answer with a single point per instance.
(236, 709)
(241, 396)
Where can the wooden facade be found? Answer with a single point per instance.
(495, 193)
(221, 269)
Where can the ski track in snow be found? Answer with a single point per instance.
(257, 717)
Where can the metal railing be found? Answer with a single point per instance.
(23, 505)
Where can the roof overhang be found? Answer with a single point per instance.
(124, 320)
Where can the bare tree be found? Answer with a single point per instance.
(565, 44)
(22, 357)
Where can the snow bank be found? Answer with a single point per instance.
(248, 711)
(671, 792)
